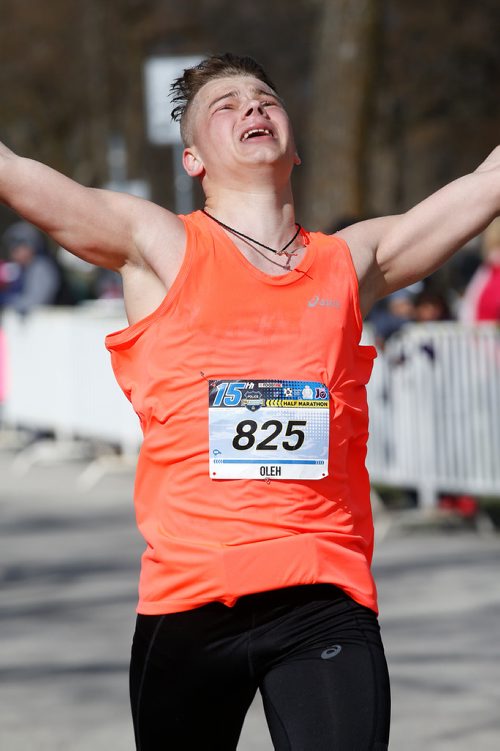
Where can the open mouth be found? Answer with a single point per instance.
(257, 133)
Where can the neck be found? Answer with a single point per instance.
(267, 216)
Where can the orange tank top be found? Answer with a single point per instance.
(223, 321)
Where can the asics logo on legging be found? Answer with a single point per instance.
(327, 654)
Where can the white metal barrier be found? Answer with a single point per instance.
(435, 410)
(434, 396)
(59, 375)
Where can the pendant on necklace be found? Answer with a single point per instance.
(253, 242)
(289, 257)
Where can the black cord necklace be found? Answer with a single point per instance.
(289, 255)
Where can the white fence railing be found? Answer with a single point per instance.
(59, 377)
(435, 410)
(434, 396)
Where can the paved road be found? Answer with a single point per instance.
(69, 565)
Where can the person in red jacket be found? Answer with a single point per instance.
(481, 301)
(251, 489)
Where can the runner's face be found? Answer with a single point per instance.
(237, 121)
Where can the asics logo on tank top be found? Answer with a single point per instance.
(322, 302)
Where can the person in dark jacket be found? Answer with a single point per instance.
(35, 276)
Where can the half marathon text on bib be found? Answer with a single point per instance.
(268, 428)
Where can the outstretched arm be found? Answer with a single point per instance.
(392, 252)
(103, 227)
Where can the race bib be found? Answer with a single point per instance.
(268, 429)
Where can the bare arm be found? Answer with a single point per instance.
(392, 252)
(105, 228)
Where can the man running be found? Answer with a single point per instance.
(243, 363)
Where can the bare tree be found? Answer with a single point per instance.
(342, 79)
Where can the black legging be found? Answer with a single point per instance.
(314, 653)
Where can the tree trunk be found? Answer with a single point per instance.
(337, 133)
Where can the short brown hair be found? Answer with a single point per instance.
(185, 88)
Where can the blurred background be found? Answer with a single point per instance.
(401, 96)
(390, 100)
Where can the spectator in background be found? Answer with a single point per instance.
(481, 301)
(391, 314)
(35, 277)
(86, 281)
(108, 285)
(431, 305)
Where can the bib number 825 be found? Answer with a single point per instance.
(246, 429)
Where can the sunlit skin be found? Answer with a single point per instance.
(236, 173)
(247, 185)
(221, 112)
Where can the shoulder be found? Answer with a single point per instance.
(363, 240)
(159, 236)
